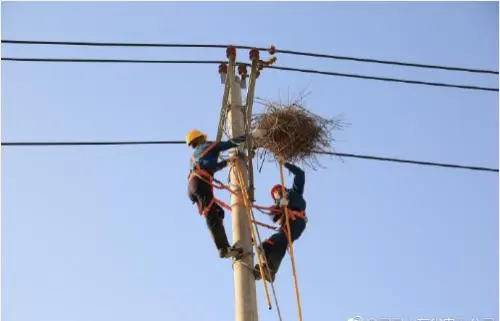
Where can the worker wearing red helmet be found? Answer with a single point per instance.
(275, 247)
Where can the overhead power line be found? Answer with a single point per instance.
(158, 142)
(291, 52)
(406, 81)
(178, 142)
(408, 161)
(309, 71)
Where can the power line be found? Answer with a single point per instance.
(415, 82)
(159, 142)
(408, 161)
(206, 62)
(309, 71)
(291, 52)
(389, 62)
(178, 142)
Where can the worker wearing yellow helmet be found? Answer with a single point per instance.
(204, 164)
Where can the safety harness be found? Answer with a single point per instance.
(205, 176)
(293, 215)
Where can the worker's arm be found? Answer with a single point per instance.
(299, 179)
(222, 146)
(256, 133)
(220, 165)
(277, 213)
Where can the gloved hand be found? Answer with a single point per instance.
(233, 158)
(239, 139)
(283, 202)
(220, 165)
(258, 133)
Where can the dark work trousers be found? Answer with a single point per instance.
(275, 246)
(202, 193)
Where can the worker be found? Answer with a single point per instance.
(204, 164)
(275, 247)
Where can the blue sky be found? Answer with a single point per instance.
(108, 233)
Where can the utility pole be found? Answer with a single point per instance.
(244, 280)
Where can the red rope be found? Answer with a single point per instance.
(219, 185)
(266, 225)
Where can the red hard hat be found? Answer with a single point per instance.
(275, 188)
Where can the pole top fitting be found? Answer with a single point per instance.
(254, 54)
(271, 61)
(231, 52)
(272, 50)
(242, 70)
(222, 69)
(260, 65)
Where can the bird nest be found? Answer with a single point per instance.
(295, 133)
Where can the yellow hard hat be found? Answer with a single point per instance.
(194, 134)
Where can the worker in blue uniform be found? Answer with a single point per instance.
(200, 190)
(274, 248)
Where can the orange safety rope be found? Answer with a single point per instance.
(219, 185)
(213, 182)
(290, 246)
(266, 225)
(266, 210)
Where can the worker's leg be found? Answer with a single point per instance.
(297, 227)
(202, 193)
(275, 247)
(193, 190)
(279, 241)
(216, 226)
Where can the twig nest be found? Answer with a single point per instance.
(293, 132)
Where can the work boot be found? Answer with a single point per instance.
(226, 252)
(256, 272)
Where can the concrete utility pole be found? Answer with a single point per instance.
(244, 280)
